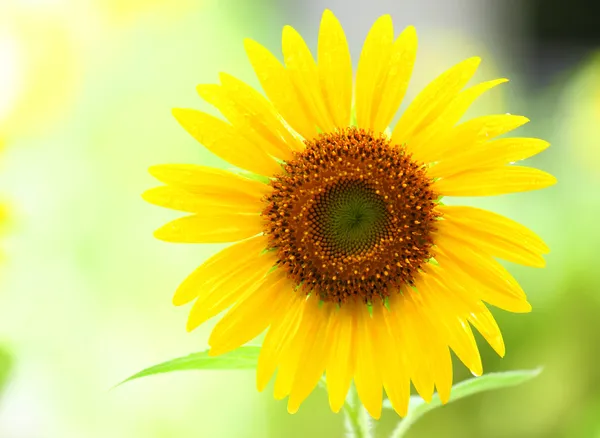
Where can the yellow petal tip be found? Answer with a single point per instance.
(444, 397)
(155, 170)
(159, 234)
(376, 415)
(191, 325)
(177, 112)
(478, 372)
(147, 195)
(474, 61)
(288, 31)
(543, 144)
(410, 31)
(176, 301)
(225, 77)
(183, 296)
(203, 88)
(292, 407)
(335, 407)
(328, 13)
(249, 42)
(262, 378)
(551, 180)
(209, 92)
(214, 352)
(165, 233)
(154, 195)
(385, 17)
(401, 410)
(522, 119)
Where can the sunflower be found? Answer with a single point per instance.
(344, 253)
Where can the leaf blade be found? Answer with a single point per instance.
(487, 382)
(244, 358)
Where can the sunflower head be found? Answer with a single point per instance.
(351, 216)
(342, 250)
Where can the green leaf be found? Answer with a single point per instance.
(244, 358)
(6, 363)
(487, 382)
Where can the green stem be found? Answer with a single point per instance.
(358, 422)
(402, 427)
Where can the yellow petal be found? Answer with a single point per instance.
(482, 275)
(463, 344)
(478, 131)
(416, 334)
(429, 356)
(267, 121)
(395, 79)
(209, 181)
(340, 361)
(394, 375)
(498, 299)
(428, 145)
(211, 227)
(432, 101)
(476, 264)
(493, 153)
(222, 140)
(467, 307)
(335, 69)
(374, 58)
(251, 316)
(251, 115)
(179, 199)
(491, 294)
(290, 356)
(462, 301)
(443, 315)
(367, 377)
(442, 371)
(280, 90)
(313, 357)
(282, 330)
(485, 323)
(494, 245)
(399, 327)
(304, 75)
(227, 262)
(493, 225)
(223, 292)
(492, 181)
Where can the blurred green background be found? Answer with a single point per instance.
(86, 89)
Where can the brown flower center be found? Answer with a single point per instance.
(351, 216)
